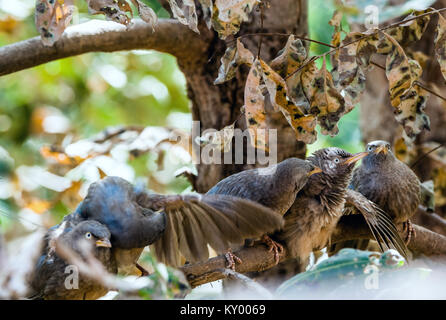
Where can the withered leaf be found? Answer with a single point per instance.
(255, 108)
(52, 18)
(410, 113)
(335, 41)
(208, 8)
(185, 12)
(146, 13)
(325, 101)
(290, 58)
(231, 60)
(406, 33)
(401, 72)
(114, 10)
(440, 44)
(228, 15)
(220, 140)
(303, 125)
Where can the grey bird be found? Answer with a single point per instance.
(49, 277)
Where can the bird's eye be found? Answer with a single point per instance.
(336, 160)
(369, 148)
(88, 235)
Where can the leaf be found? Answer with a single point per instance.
(114, 10)
(52, 18)
(220, 140)
(255, 108)
(207, 7)
(185, 13)
(299, 85)
(325, 101)
(335, 41)
(290, 58)
(440, 44)
(146, 13)
(410, 113)
(406, 33)
(401, 72)
(228, 15)
(303, 125)
(231, 60)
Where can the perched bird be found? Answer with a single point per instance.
(275, 187)
(175, 225)
(49, 280)
(311, 203)
(389, 183)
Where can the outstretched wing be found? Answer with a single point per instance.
(380, 224)
(196, 221)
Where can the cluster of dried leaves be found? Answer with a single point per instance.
(307, 95)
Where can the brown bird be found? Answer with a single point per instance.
(311, 203)
(389, 183)
(175, 225)
(49, 280)
(274, 187)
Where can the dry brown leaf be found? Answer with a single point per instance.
(114, 10)
(146, 13)
(52, 18)
(255, 108)
(219, 140)
(185, 12)
(228, 15)
(303, 125)
(290, 58)
(231, 60)
(440, 44)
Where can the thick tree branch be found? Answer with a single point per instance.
(170, 36)
(258, 258)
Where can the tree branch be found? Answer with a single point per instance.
(170, 36)
(258, 258)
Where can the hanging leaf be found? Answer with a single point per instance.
(326, 103)
(290, 58)
(220, 140)
(401, 72)
(228, 15)
(299, 85)
(406, 33)
(231, 60)
(52, 18)
(146, 13)
(207, 7)
(255, 108)
(114, 10)
(184, 11)
(303, 125)
(440, 44)
(410, 113)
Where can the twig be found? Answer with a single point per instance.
(426, 154)
(261, 29)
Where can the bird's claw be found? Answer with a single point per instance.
(232, 259)
(273, 246)
(410, 231)
(144, 272)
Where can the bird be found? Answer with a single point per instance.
(310, 194)
(389, 183)
(274, 186)
(49, 279)
(178, 227)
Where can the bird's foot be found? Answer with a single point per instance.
(410, 231)
(144, 272)
(273, 246)
(231, 259)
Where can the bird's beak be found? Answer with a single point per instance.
(315, 170)
(103, 243)
(381, 149)
(356, 157)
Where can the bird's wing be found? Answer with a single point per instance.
(220, 221)
(380, 224)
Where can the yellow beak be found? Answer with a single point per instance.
(315, 170)
(103, 243)
(381, 149)
(356, 157)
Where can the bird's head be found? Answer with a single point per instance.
(378, 151)
(335, 162)
(91, 231)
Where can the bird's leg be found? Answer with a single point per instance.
(410, 231)
(273, 246)
(144, 272)
(232, 258)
